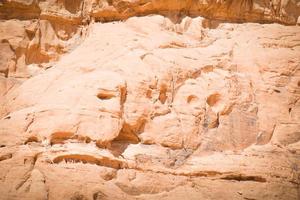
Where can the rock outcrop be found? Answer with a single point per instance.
(35, 32)
(149, 99)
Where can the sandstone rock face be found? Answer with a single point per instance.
(177, 101)
(286, 11)
(39, 31)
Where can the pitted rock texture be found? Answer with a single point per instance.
(168, 106)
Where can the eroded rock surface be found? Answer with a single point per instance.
(35, 32)
(169, 106)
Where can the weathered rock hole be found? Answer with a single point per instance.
(73, 6)
(87, 140)
(8, 117)
(5, 156)
(103, 144)
(31, 139)
(207, 69)
(277, 91)
(59, 137)
(128, 135)
(81, 138)
(213, 99)
(149, 93)
(105, 95)
(163, 93)
(110, 2)
(118, 148)
(241, 177)
(192, 99)
(88, 159)
(99, 196)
